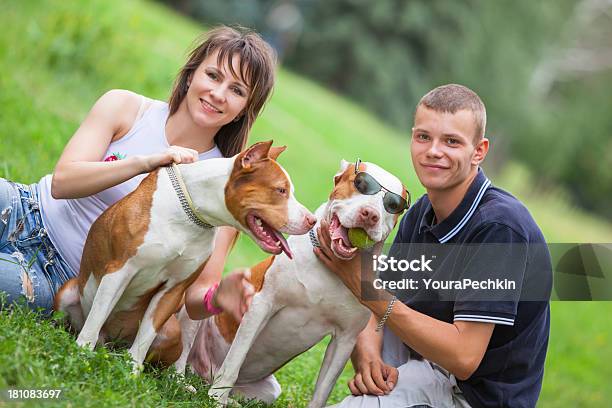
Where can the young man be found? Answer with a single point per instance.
(475, 352)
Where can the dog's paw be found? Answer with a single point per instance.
(87, 343)
(136, 368)
(179, 367)
(183, 381)
(220, 394)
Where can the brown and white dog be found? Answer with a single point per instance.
(143, 252)
(298, 302)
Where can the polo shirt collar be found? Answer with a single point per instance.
(451, 226)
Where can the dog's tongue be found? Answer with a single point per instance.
(284, 244)
(341, 233)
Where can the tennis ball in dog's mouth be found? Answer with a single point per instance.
(359, 238)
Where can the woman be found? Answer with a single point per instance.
(216, 97)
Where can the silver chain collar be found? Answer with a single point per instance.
(313, 239)
(182, 196)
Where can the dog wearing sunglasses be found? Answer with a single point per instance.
(299, 302)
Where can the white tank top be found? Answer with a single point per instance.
(68, 220)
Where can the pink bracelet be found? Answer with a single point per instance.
(208, 300)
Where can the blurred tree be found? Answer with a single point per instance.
(542, 69)
(573, 83)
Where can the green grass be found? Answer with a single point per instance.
(57, 57)
(37, 353)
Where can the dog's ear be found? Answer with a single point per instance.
(343, 166)
(276, 151)
(255, 153)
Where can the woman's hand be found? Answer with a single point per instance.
(235, 293)
(174, 154)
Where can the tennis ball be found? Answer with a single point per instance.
(359, 238)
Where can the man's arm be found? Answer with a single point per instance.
(458, 347)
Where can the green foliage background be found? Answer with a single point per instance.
(57, 57)
(387, 54)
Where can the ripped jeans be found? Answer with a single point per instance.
(30, 266)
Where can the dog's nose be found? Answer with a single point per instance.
(369, 216)
(311, 220)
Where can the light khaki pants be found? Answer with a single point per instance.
(420, 383)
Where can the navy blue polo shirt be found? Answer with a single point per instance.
(511, 371)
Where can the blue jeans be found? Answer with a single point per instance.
(30, 266)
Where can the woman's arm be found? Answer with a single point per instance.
(80, 170)
(234, 293)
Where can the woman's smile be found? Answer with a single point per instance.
(209, 107)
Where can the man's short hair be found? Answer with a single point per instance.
(452, 98)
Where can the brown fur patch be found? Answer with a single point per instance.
(344, 187)
(171, 300)
(253, 187)
(125, 223)
(276, 151)
(405, 196)
(227, 325)
(66, 287)
(258, 273)
(167, 347)
(124, 324)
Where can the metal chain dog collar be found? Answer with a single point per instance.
(183, 195)
(313, 239)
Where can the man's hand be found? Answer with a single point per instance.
(373, 377)
(235, 294)
(349, 271)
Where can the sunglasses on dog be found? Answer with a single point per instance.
(366, 184)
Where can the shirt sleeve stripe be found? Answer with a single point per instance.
(485, 319)
(511, 319)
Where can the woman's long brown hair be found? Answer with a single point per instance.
(257, 64)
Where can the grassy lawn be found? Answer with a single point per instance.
(57, 57)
